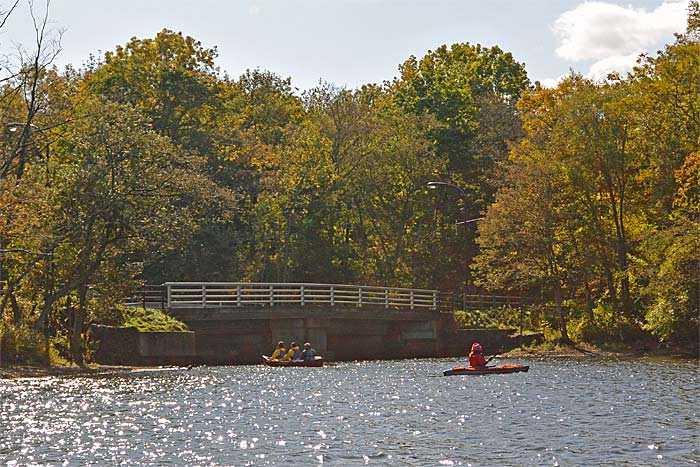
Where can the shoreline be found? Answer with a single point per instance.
(16, 372)
(600, 353)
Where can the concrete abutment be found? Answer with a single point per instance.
(240, 335)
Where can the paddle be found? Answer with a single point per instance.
(492, 357)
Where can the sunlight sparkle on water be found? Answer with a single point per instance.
(219, 416)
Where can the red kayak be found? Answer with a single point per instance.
(485, 370)
(316, 362)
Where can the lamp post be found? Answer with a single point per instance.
(27, 129)
(467, 255)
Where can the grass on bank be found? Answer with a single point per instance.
(143, 319)
(21, 344)
(149, 319)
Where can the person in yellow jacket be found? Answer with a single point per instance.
(294, 353)
(280, 352)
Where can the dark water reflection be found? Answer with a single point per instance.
(561, 413)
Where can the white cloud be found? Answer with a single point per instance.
(551, 82)
(618, 63)
(599, 31)
(254, 10)
(607, 37)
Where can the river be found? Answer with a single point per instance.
(563, 412)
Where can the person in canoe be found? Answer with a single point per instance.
(294, 353)
(308, 353)
(476, 356)
(279, 353)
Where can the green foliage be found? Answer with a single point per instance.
(471, 91)
(672, 276)
(171, 79)
(144, 319)
(604, 326)
(22, 345)
(149, 165)
(148, 319)
(475, 319)
(533, 319)
(348, 202)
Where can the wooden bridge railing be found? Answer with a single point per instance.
(149, 296)
(486, 301)
(219, 294)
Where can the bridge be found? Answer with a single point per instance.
(237, 322)
(250, 294)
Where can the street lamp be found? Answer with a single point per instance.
(467, 259)
(14, 126)
(27, 129)
(434, 185)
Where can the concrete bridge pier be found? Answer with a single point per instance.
(242, 335)
(303, 330)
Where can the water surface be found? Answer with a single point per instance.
(564, 412)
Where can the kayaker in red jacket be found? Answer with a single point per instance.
(476, 357)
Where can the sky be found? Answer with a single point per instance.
(355, 42)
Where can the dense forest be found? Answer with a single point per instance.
(149, 165)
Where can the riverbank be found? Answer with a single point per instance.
(593, 352)
(13, 372)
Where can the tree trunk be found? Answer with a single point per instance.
(76, 341)
(560, 310)
(16, 312)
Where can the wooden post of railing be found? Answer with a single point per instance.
(434, 300)
(168, 295)
(332, 296)
(360, 298)
(204, 295)
(411, 299)
(302, 295)
(272, 295)
(386, 298)
(238, 295)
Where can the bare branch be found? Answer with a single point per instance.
(4, 15)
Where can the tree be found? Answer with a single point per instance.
(247, 134)
(171, 79)
(666, 109)
(672, 265)
(349, 200)
(24, 115)
(120, 191)
(470, 91)
(524, 241)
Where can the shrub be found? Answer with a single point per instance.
(21, 344)
(606, 328)
(503, 317)
(474, 319)
(143, 319)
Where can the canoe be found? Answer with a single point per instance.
(488, 370)
(316, 362)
